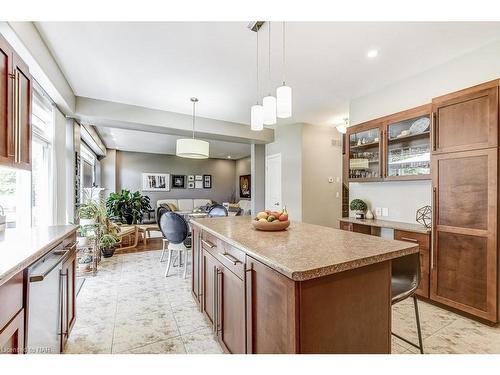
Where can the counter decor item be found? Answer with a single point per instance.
(369, 214)
(359, 207)
(424, 216)
(271, 221)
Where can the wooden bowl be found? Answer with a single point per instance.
(272, 226)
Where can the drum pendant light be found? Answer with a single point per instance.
(190, 147)
(284, 92)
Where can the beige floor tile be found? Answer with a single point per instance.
(170, 346)
(201, 342)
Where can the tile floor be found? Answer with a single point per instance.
(130, 307)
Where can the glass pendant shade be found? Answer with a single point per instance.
(256, 117)
(269, 104)
(284, 101)
(192, 148)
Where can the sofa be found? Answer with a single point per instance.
(184, 205)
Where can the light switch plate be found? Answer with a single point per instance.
(385, 211)
(378, 211)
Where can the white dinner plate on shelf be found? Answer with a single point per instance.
(420, 125)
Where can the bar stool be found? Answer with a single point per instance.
(404, 281)
(176, 230)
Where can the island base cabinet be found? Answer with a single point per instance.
(12, 336)
(68, 282)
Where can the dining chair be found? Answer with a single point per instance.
(159, 212)
(176, 230)
(217, 210)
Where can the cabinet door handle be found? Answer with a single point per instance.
(434, 130)
(15, 127)
(409, 239)
(63, 290)
(208, 244)
(215, 300)
(220, 301)
(230, 258)
(434, 224)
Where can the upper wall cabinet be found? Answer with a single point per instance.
(364, 152)
(15, 109)
(407, 145)
(466, 120)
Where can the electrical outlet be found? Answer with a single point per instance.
(378, 211)
(337, 195)
(385, 211)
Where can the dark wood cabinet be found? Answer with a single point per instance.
(364, 151)
(465, 255)
(209, 277)
(68, 294)
(15, 109)
(195, 265)
(12, 335)
(466, 120)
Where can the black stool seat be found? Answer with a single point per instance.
(403, 286)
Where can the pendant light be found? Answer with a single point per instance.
(256, 112)
(269, 102)
(284, 92)
(190, 147)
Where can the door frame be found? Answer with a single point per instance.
(266, 197)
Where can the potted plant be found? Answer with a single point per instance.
(127, 207)
(82, 236)
(107, 245)
(87, 212)
(359, 207)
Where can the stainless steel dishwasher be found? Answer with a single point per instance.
(45, 302)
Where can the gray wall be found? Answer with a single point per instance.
(243, 167)
(288, 142)
(131, 165)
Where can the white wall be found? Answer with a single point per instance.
(403, 198)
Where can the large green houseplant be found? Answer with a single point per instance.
(127, 207)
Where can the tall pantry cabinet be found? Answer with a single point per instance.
(15, 109)
(464, 259)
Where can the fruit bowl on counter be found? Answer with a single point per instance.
(271, 221)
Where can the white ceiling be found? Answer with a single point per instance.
(157, 143)
(161, 65)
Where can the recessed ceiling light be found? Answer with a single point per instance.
(229, 156)
(371, 54)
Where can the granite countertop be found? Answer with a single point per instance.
(21, 247)
(409, 227)
(305, 251)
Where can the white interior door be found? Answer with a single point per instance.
(273, 182)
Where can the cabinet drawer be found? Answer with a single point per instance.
(11, 297)
(209, 243)
(232, 258)
(420, 238)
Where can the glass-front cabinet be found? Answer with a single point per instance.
(365, 154)
(408, 153)
(395, 147)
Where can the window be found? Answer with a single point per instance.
(87, 170)
(41, 179)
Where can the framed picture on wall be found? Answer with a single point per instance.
(178, 181)
(191, 177)
(198, 184)
(207, 181)
(198, 177)
(155, 181)
(190, 184)
(245, 186)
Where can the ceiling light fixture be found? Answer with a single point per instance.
(269, 101)
(257, 111)
(190, 147)
(371, 54)
(284, 92)
(342, 128)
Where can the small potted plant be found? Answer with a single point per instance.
(82, 236)
(87, 213)
(359, 207)
(107, 245)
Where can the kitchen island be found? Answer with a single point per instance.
(309, 289)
